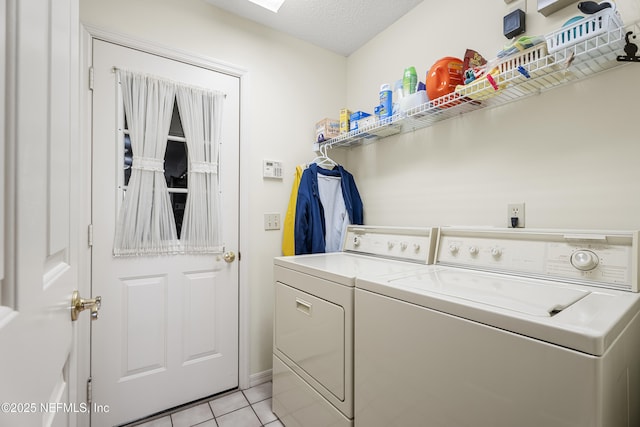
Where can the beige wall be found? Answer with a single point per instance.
(571, 154)
(291, 85)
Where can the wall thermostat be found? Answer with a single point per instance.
(271, 169)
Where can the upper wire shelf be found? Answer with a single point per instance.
(542, 72)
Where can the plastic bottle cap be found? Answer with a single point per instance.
(385, 87)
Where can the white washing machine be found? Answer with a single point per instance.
(313, 320)
(509, 328)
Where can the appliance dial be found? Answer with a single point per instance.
(496, 252)
(584, 260)
(356, 241)
(453, 248)
(390, 244)
(416, 247)
(473, 250)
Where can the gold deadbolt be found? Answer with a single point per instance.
(79, 304)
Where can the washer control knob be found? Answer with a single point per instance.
(584, 260)
(356, 241)
(473, 250)
(496, 252)
(416, 247)
(453, 248)
(390, 244)
(403, 246)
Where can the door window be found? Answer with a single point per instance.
(175, 165)
(171, 199)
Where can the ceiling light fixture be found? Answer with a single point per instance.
(272, 5)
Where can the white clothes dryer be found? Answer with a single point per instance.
(313, 319)
(508, 328)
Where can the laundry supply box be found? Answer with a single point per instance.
(345, 118)
(356, 118)
(327, 129)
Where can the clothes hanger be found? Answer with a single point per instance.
(323, 160)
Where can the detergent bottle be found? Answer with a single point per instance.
(409, 81)
(385, 109)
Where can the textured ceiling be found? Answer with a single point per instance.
(341, 26)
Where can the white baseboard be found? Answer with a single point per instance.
(260, 377)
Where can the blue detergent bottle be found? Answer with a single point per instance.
(385, 109)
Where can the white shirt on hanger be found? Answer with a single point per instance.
(336, 218)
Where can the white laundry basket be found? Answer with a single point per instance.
(528, 57)
(588, 27)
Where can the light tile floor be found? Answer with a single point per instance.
(243, 408)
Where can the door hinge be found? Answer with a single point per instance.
(89, 392)
(90, 235)
(90, 78)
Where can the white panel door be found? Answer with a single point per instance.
(168, 328)
(37, 345)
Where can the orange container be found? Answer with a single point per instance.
(442, 79)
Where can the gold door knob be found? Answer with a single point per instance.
(229, 256)
(79, 304)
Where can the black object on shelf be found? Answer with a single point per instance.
(630, 49)
(591, 7)
(514, 24)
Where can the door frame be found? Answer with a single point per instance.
(88, 34)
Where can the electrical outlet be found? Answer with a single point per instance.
(272, 221)
(515, 210)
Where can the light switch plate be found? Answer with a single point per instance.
(272, 221)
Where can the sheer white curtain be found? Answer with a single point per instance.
(201, 116)
(146, 225)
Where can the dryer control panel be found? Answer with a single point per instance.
(404, 243)
(597, 258)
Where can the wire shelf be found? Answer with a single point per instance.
(578, 61)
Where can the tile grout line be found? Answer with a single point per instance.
(249, 404)
(252, 408)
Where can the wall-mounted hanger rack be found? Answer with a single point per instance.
(630, 49)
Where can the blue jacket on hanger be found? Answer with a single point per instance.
(310, 223)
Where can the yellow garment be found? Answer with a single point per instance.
(288, 238)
